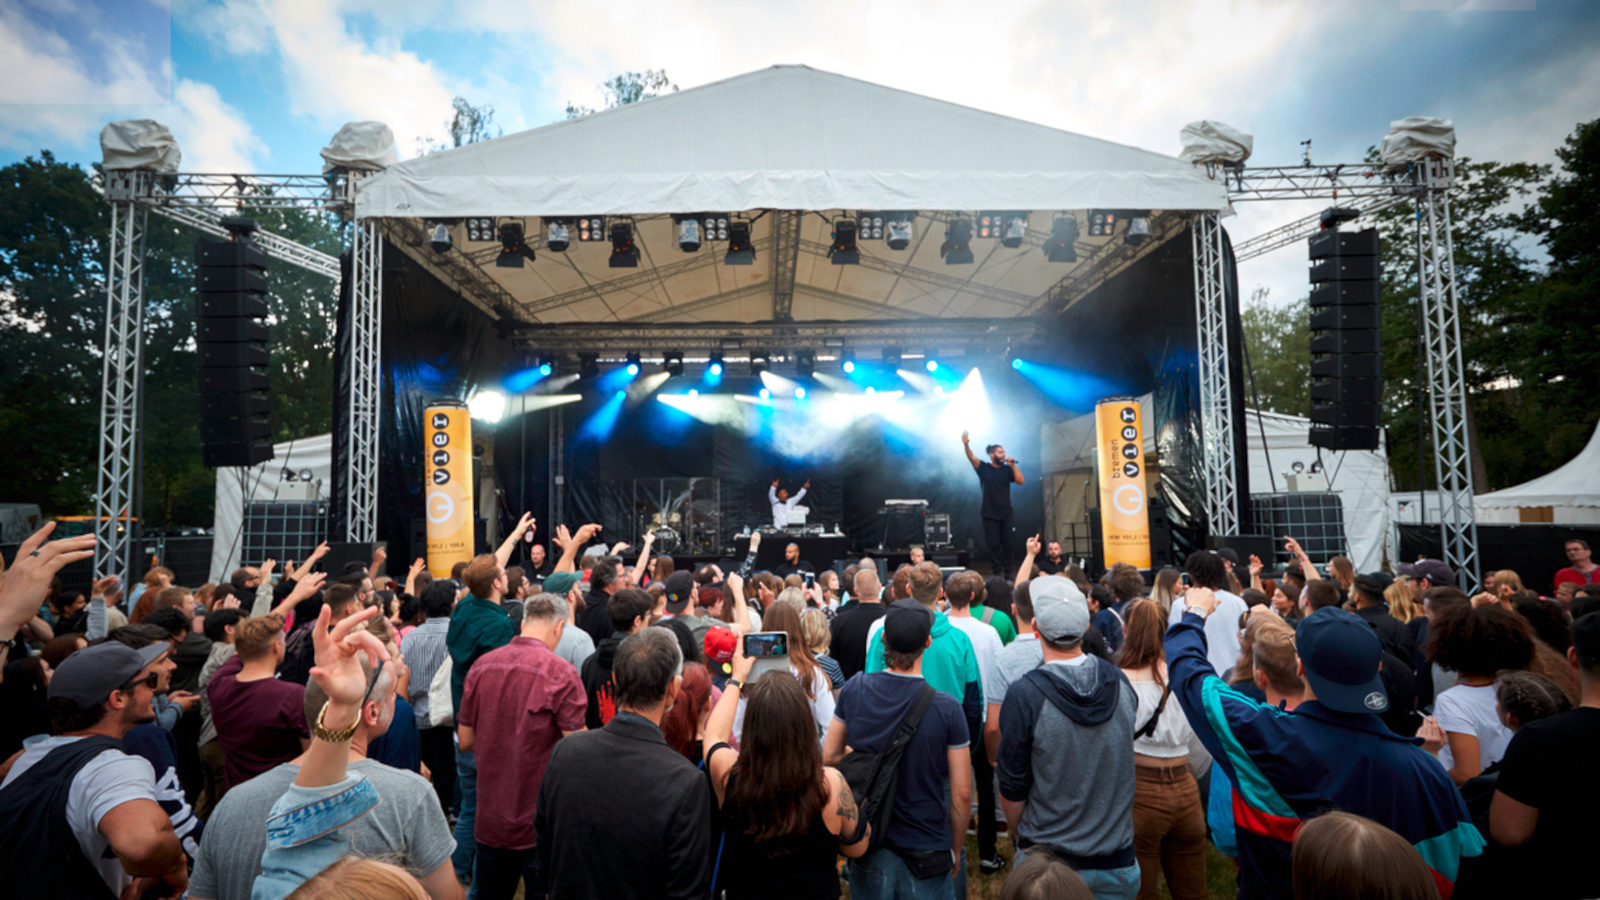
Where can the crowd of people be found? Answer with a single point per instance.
(579, 727)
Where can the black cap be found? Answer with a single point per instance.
(906, 626)
(679, 585)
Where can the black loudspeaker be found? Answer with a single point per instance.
(1264, 546)
(231, 348)
(1346, 340)
(1161, 552)
(340, 553)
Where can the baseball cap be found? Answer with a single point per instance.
(90, 675)
(1341, 655)
(1435, 570)
(1059, 611)
(719, 645)
(1229, 554)
(906, 626)
(679, 585)
(560, 582)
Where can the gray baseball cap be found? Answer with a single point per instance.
(90, 675)
(1059, 611)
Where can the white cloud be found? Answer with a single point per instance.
(39, 65)
(213, 136)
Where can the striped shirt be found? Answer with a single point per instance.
(424, 652)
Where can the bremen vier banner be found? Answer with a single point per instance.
(1119, 459)
(449, 489)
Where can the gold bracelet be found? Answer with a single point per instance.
(321, 732)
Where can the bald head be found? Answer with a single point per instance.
(867, 588)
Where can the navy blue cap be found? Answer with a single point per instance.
(1341, 655)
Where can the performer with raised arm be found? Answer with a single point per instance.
(782, 503)
(996, 478)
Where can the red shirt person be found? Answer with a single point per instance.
(1583, 569)
(519, 701)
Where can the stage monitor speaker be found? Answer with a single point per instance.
(341, 553)
(1261, 545)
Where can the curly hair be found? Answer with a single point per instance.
(1529, 697)
(1480, 641)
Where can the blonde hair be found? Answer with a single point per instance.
(355, 878)
(814, 628)
(253, 638)
(1507, 578)
(1402, 600)
(795, 597)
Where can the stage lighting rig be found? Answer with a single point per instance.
(589, 365)
(1102, 222)
(557, 235)
(715, 365)
(1063, 236)
(513, 248)
(714, 226)
(898, 231)
(624, 253)
(1008, 227)
(1138, 229)
(480, 229)
(439, 237)
(843, 250)
(673, 362)
(957, 246)
(871, 226)
(805, 362)
(547, 366)
(891, 358)
(634, 363)
(932, 365)
(760, 361)
(689, 231)
(591, 229)
(847, 361)
(740, 250)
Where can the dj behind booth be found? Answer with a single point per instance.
(903, 524)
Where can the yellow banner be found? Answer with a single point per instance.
(448, 492)
(1124, 502)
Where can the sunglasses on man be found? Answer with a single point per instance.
(150, 680)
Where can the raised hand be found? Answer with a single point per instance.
(562, 537)
(1255, 564)
(618, 547)
(1035, 546)
(229, 602)
(265, 569)
(735, 583)
(184, 699)
(417, 565)
(320, 552)
(740, 666)
(755, 541)
(774, 482)
(306, 586)
(526, 526)
(807, 485)
(965, 438)
(105, 585)
(585, 532)
(338, 669)
(27, 581)
(1201, 600)
(1293, 546)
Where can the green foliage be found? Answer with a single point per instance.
(1278, 342)
(629, 87)
(468, 125)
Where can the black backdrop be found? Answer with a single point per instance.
(1133, 334)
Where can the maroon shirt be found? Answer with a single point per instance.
(518, 700)
(259, 723)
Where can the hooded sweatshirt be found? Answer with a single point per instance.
(1066, 751)
(597, 684)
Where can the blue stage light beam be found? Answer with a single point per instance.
(966, 408)
(713, 374)
(525, 379)
(604, 420)
(617, 379)
(1068, 388)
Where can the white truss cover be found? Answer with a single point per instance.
(788, 137)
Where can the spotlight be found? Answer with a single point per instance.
(714, 226)
(694, 392)
(932, 365)
(843, 252)
(305, 474)
(715, 367)
(556, 235)
(799, 393)
(899, 233)
(1138, 230)
(633, 363)
(688, 234)
(760, 361)
(938, 389)
(673, 362)
(805, 362)
(740, 252)
(871, 226)
(591, 228)
(480, 229)
(547, 367)
(624, 255)
(1063, 235)
(513, 249)
(487, 406)
(765, 394)
(1102, 222)
(849, 365)
(439, 240)
(589, 365)
(1012, 230)
(871, 390)
(891, 358)
(957, 246)
(1016, 364)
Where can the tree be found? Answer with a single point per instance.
(629, 87)
(468, 125)
(1278, 343)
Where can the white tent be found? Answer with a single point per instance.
(236, 485)
(1360, 477)
(1571, 493)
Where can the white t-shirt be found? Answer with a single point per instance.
(821, 704)
(986, 644)
(1172, 736)
(1222, 628)
(1471, 710)
(104, 783)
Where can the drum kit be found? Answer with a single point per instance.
(665, 528)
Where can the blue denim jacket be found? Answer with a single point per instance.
(303, 833)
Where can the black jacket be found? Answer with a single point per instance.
(597, 685)
(1392, 632)
(623, 815)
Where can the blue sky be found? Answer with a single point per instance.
(259, 85)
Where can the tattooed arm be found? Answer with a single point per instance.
(852, 830)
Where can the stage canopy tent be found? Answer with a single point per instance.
(784, 138)
(1571, 494)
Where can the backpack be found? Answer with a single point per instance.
(874, 777)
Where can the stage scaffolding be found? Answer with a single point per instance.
(200, 200)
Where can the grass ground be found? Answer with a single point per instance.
(1220, 874)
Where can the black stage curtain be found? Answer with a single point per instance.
(1536, 551)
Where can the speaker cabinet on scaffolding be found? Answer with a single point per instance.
(231, 345)
(1346, 340)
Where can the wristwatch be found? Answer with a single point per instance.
(732, 682)
(320, 730)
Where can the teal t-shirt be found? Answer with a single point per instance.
(949, 664)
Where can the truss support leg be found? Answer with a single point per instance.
(785, 258)
(1447, 388)
(116, 486)
(366, 313)
(1216, 422)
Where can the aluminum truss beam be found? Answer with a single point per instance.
(366, 321)
(276, 246)
(1298, 231)
(1447, 387)
(785, 259)
(116, 511)
(1218, 474)
(1342, 181)
(643, 337)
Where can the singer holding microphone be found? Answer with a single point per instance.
(996, 476)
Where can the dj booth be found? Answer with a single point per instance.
(819, 551)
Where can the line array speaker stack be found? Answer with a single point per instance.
(1346, 340)
(231, 343)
